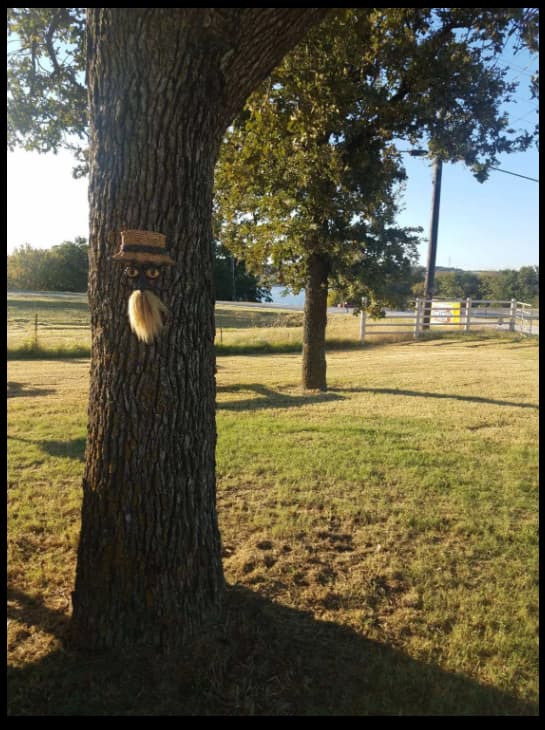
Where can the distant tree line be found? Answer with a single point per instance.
(234, 282)
(60, 268)
(521, 284)
(65, 267)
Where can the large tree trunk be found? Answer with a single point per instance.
(163, 85)
(315, 322)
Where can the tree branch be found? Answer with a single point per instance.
(260, 37)
(48, 38)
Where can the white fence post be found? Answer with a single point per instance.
(418, 316)
(363, 318)
(467, 323)
(512, 315)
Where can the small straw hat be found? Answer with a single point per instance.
(143, 247)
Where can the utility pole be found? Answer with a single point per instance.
(432, 250)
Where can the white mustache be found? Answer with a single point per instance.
(146, 314)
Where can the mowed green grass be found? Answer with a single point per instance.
(380, 540)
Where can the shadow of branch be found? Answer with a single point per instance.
(268, 398)
(69, 448)
(22, 390)
(426, 394)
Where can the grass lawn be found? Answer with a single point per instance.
(380, 540)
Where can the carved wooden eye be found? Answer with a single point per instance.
(132, 272)
(153, 273)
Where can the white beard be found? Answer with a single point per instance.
(145, 315)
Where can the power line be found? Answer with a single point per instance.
(515, 173)
(532, 111)
(521, 70)
(421, 153)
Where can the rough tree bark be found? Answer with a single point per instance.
(163, 85)
(314, 323)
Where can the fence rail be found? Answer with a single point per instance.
(465, 315)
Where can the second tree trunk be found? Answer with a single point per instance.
(315, 321)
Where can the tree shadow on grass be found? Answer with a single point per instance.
(268, 398)
(261, 659)
(21, 390)
(477, 337)
(426, 394)
(30, 611)
(70, 448)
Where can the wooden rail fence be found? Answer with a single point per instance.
(465, 315)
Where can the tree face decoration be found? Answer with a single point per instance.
(145, 254)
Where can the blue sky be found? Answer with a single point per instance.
(482, 226)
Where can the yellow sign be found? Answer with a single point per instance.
(445, 312)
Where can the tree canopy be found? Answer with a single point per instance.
(311, 163)
(47, 94)
(311, 169)
(410, 59)
(302, 173)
